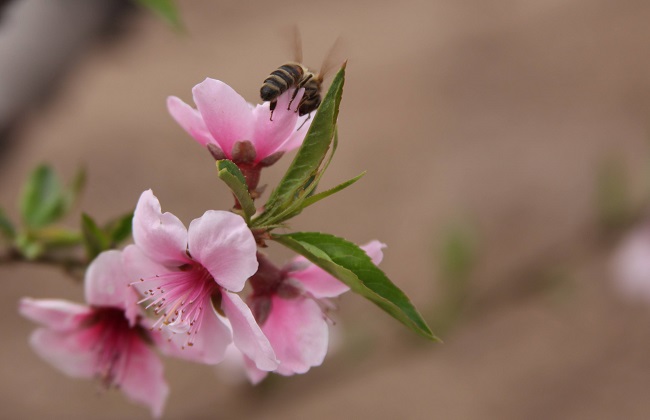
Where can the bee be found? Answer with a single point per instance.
(296, 75)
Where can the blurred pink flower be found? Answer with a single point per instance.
(185, 272)
(632, 265)
(224, 118)
(291, 313)
(107, 339)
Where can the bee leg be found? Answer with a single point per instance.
(295, 92)
(302, 83)
(272, 107)
(306, 119)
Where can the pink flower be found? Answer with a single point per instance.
(632, 265)
(224, 118)
(106, 339)
(288, 304)
(184, 273)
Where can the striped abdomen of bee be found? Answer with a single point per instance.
(285, 77)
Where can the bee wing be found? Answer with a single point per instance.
(291, 35)
(332, 58)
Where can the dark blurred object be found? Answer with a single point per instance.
(39, 41)
(3, 3)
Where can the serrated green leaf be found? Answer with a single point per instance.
(310, 155)
(119, 229)
(42, 201)
(7, 228)
(350, 264)
(230, 174)
(95, 239)
(165, 9)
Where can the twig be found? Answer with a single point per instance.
(71, 266)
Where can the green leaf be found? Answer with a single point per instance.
(43, 201)
(95, 239)
(165, 9)
(307, 190)
(75, 188)
(7, 228)
(28, 247)
(350, 264)
(230, 174)
(324, 194)
(310, 155)
(119, 229)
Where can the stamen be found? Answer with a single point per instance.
(178, 297)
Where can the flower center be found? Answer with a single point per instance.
(180, 298)
(111, 336)
(268, 281)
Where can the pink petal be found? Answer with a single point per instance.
(323, 285)
(59, 315)
(247, 335)
(144, 381)
(162, 237)
(226, 114)
(231, 370)
(225, 246)
(237, 368)
(270, 135)
(254, 375)
(374, 251)
(318, 282)
(210, 343)
(632, 265)
(296, 138)
(66, 351)
(190, 119)
(298, 333)
(106, 281)
(137, 265)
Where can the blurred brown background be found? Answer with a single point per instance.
(484, 127)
